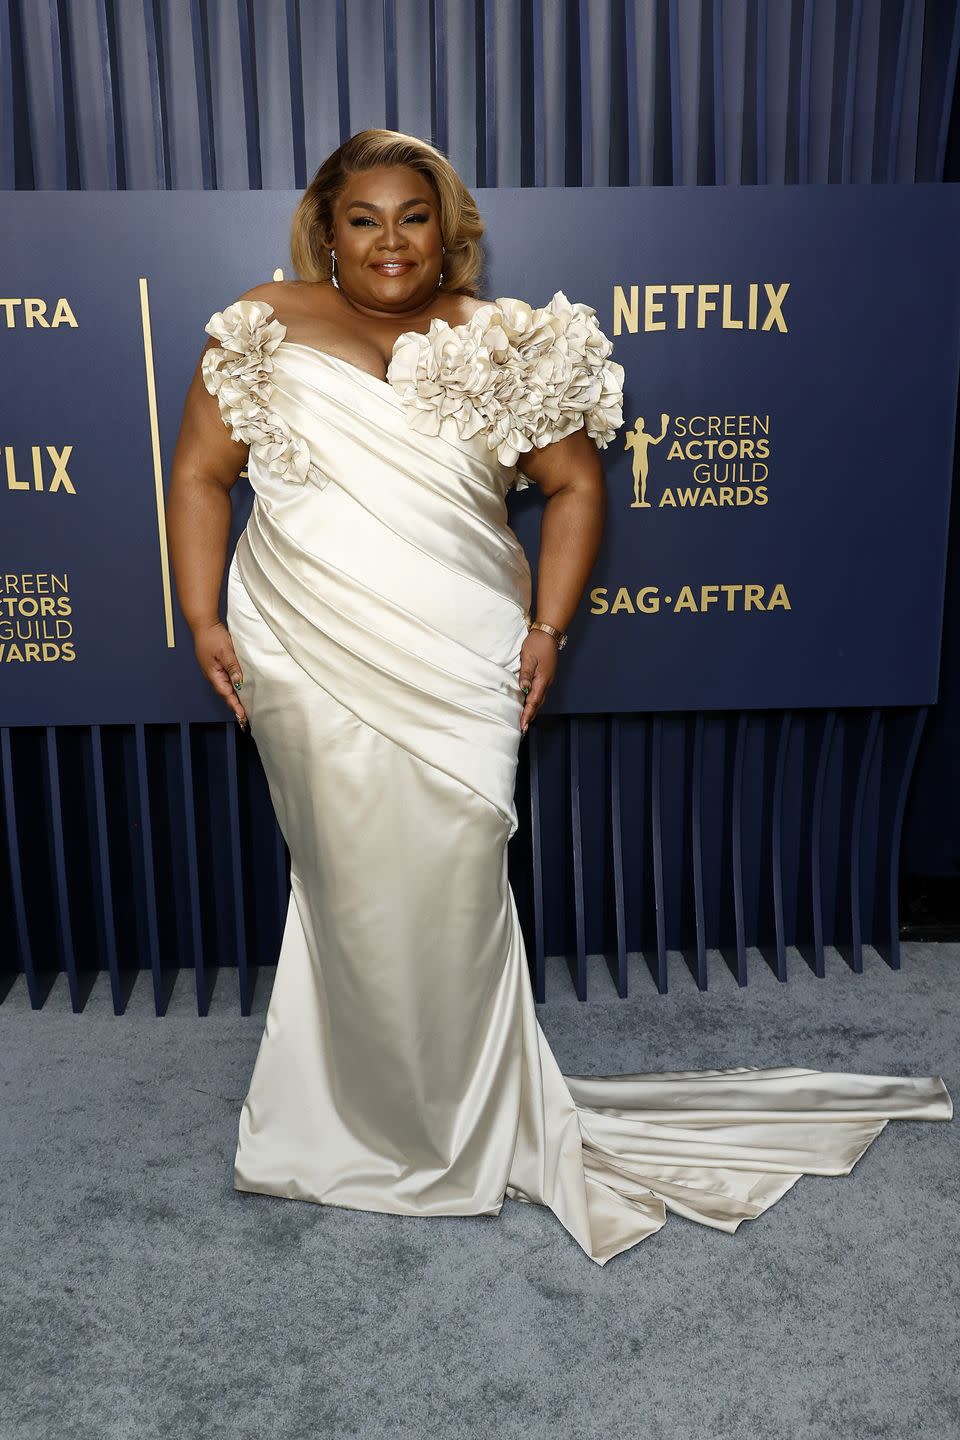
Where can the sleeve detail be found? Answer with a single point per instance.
(526, 376)
(238, 372)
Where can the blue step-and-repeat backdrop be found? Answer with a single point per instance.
(778, 495)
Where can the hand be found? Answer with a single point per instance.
(538, 666)
(218, 661)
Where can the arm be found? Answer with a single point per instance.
(206, 464)
(570, 473)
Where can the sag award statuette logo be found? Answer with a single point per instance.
(639, 441)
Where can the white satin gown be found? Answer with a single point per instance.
(377, 602)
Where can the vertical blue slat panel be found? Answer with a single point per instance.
(438, 12)
(586, 107)
(251, 102)
(896, 101)
(61, 892)
(536, 846)
(146, 856)
(893, 877)
(949, 91)
(57, 42)
(201, 984)
(776, 848)
(696, 794)
(280, 870)
(487, 53)
(109, 74)
(158, 106)
(105, 871)
(539, 104)
(850, 94)
(202, 78)
(816, 841)
(736, 841)
(676, 113)
(236, 870)
(343, 73)
(806, 85)
(719, 106)
(576, 843)
(633, 96)
(761, 92)
(391, 105)
(856, 843)
(34, 988)
(298, 124)
(8, 108)
(656, 842)
(616, 824)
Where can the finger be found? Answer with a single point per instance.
(533, 701)
(227, 657)
(528, 669)
(224, 686)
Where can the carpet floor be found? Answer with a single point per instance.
(143, 1298)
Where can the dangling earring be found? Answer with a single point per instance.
(443, 252)
(333, 277)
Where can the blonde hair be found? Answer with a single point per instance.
(460, 222)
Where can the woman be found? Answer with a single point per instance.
(380, 642)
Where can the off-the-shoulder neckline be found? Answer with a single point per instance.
(339, 360)
(384, 384)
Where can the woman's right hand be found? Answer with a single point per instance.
(218, 661)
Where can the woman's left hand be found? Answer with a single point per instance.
(538, 666)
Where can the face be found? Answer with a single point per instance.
(386, 227)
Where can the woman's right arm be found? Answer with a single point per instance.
(206, 464)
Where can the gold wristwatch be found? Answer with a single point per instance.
(558, 635)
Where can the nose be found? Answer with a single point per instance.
(393, 238)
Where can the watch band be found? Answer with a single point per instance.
(558, 635)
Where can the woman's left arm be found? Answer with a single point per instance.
(569, 472)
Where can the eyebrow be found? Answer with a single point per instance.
(417, 200)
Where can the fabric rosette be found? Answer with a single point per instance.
(238, 373)
(526, 376)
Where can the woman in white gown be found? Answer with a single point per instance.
(378, 636)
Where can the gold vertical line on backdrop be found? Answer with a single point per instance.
(157, 465)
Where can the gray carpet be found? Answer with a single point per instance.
(143, 1297)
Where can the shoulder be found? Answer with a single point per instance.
(469, 305)
(257, 317)
(289, 297)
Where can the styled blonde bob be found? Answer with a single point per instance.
(460, 223)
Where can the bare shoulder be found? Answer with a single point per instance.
(469, 305)
(286, 293)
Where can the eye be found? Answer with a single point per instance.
(365, 219)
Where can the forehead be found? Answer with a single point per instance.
(387, 186)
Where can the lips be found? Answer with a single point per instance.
(398, 268)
